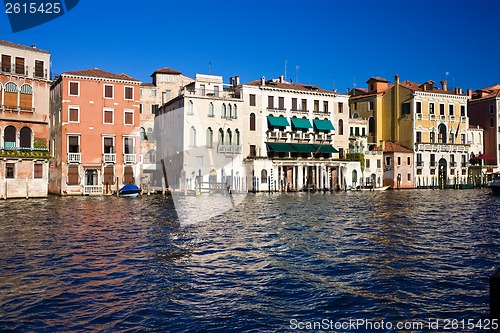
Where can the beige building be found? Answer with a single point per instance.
(24, 120)
(166, 84)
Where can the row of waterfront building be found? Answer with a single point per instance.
(91, 131)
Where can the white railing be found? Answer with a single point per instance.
(129, 158)
(74, 157)
(229, 149)
(445, 148)
(109, 158)
(92, 189)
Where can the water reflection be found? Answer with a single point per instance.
(117, 265)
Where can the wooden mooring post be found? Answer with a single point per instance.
(495, 295)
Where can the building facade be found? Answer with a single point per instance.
(484, 111)
(24, 120)
(166, 84)
(95, 134)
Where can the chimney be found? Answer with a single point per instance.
(444, 85)
(231, 81)
(396, 79)
(237, 80)
(282, 78)
(458, 91)
(263, 81)
(469, 93)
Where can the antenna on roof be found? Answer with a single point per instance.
(286, 62)
(297, 74)
(209, 66)
(354, 82)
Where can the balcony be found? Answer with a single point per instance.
(442, 147)
(129, 158)
(420, 164)
(419, 116)
(109, 158)
(297, 111)
(229, 149)
(9, 151)
(92, 190)
(464, 164)
(211, 93)
(433, 164)
(432, 117)
(453, 164)
(74, 157)
(442, 117)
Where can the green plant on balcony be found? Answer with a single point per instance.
(25, 154)
(39, 143)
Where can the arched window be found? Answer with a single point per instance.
(354, 176)
(229, 137)
(223, 110)
(190, 107)
(210, 137)
(220, 140)
(371, 125)
(10, 95)
(252, 121)
(9, 137)
(341, 127)
(236, 138)
(442, 133)
(263, 176)
(211, 109)
(472, 138)
(150, 157)
(235, 112)
(143, 134)
(229, 111)
(25, 137)
(192, 137)
(479, 138)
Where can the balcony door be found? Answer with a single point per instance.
(91, 177)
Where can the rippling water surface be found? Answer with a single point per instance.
(84, 264)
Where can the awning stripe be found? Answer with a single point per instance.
(323, 125)
(278, 121)
(301, 123)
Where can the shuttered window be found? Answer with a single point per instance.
(74, 115)
(108, 91)
(109, 175)
(10, 95)
(128, 175)
(39, 72)
(6, 63)
(26, 98)
(108, 116)
(38, 171)
(73, 175)
(129, 92)
(74, 88)
(20, 66)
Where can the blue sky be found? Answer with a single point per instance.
(336, 43)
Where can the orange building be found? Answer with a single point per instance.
(24, 123)
(398, 165)
(94, 131)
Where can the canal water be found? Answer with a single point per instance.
(273, 263)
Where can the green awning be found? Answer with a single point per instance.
(301, 123)
(280, 147)
(277, 121)
(323, 125)
(304, 147)
(329, 149)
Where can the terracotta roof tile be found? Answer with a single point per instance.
(420, 87)
(166, 70)
(392, 147)
(22, 47)
(96, 72)
(147, 84)
(291, 86)
(486, 93)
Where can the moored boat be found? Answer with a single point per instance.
(494, 185)
(369, 188)
(129, 191)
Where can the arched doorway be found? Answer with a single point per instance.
(442, 133)
(442, 176)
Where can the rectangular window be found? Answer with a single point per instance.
(399, 160)
(128, 175)
(202, 89)
(252, 100)
(379, 163)
(108, 91)
(10, 170)
(109, 145)
(367, 163)
(73, 144)
(325, 106)
(38, 171)
(270, 102)
(408, 177)
(406, 109)
(316, 106)
(294, 104)
(462, 110)
(73, 115)
(450, 109)
(108, 116)
(387, 160)
(152, 93)
(39, 72)
(20, 66)
(492, 109)
(441, 109)
(304, 105)
(419, 107)
(363, 131)
(419, 136)
(128, 145)
(462, 139)
(129, 93)
(74, 88)
(408, 160)
(6, 63)
(216, 91)
(370, 106)
(281, 103)
(433, 137)
(129, 117)
(154, 109)
(341, 107)
(140, 108)
(253, 151)
(431, 108)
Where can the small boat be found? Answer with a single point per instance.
(494, 185)
(369, 188)
(129, 191)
